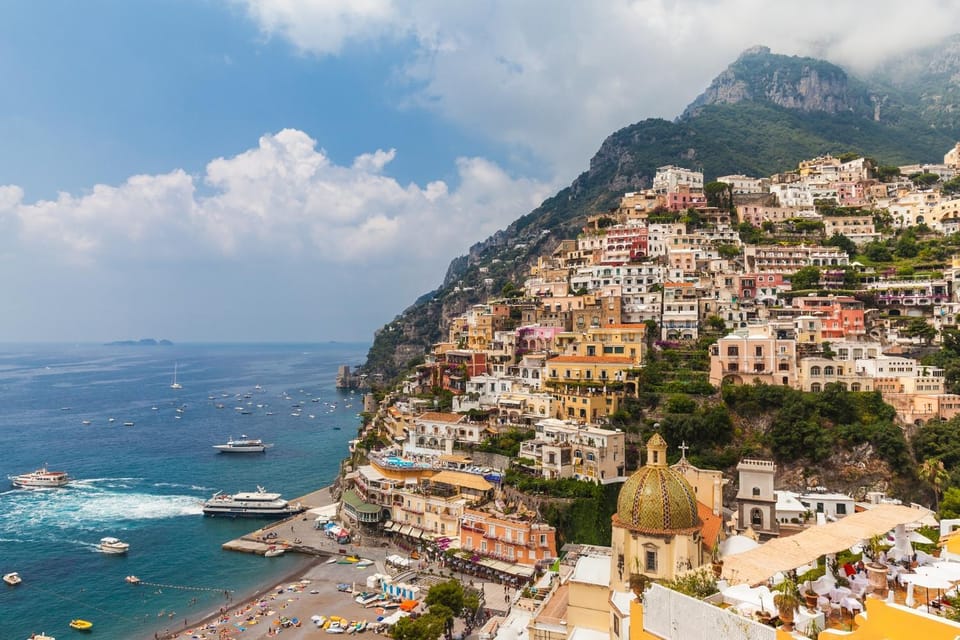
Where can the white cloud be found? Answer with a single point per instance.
(283, 199)
(553, 79)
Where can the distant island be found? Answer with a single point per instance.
(143, 342)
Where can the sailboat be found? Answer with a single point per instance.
(175, 384)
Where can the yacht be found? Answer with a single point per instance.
(42, 477)
(175, 384)
(243, 445)
(113, 545)
(250, 504)
(12, 579)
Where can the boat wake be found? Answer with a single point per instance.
(89, 505)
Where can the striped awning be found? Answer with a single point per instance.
(405, 530)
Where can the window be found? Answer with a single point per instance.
(651, 561)
(841, 509)
(756, 518)
(758, 351)
(756, 491)
(733, 351)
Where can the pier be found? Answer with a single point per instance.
(295, 534)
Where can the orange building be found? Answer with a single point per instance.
(515, 541)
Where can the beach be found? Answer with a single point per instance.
(304, 594)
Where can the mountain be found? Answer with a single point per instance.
(762, 115)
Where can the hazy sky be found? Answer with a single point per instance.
(287, 170)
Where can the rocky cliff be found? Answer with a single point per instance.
(791, 82)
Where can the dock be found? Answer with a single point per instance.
(295, 534)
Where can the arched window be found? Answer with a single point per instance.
(814, 371)
(815, 387)
(756, 518)
(828, 371)
(855, 386)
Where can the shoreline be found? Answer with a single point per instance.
(238, 599)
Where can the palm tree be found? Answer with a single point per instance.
(933, 473)
(787, 600)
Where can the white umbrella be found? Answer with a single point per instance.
(928, 581)
(949, 569)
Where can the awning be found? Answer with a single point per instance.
(388, 525)
(783, 554)
(405, 530)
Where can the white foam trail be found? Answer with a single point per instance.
(90, 508)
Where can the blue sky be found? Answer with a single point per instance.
(287, 170)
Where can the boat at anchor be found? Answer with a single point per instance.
(244, 444)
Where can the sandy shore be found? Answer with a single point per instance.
(301, 595)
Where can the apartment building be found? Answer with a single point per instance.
(564, 449)
(756, 353)
(503, 538)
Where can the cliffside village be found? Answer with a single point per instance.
(561, 357)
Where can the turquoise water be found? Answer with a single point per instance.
(144, 484)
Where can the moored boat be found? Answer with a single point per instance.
(12, 578)
(40, 636)
(81, 625)
(250, 504)
(113, 545)
(41, 478)
(243, 444)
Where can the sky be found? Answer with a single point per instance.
(302, 170)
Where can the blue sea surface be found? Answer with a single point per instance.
(145, 483)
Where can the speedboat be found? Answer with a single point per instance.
(244, 444)
(81, 625)
(12, 579)
(273, 551)
(113, 545)
(42, 477)
(250, 504)
(40, 636)
(132, 579)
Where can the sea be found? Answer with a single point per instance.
(145, 483)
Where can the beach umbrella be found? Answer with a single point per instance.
(919, 538)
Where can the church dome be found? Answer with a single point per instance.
(657, 499)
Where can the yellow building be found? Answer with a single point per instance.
(657, 527)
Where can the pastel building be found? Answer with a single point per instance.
(502, 538)
(570, 450)
(756, 353)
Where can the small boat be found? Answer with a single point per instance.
(12, 578)
(111, 419)
(132, 579)
(175, 384)
(273, 551)
(81, 625)
(40, 636)
(113, 546)
(128, 424)
(85, 422)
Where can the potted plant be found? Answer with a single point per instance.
(876, 569)
(787, 601)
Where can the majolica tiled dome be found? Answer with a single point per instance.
(657, 499)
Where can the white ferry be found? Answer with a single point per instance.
(243, 445)
(42, 478)
(250, 504)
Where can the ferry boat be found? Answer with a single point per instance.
(250, 504)
(243, 445)
(42, 477)
(113, 545)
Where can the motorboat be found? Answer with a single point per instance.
(250, 504)
(42, 477)
(40, 636)
(128, 424)
(113, 545)
(12, 578)
(81, 625)
(273, 551)
(244, 444)
(132, 579)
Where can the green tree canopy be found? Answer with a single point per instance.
(805, 278)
